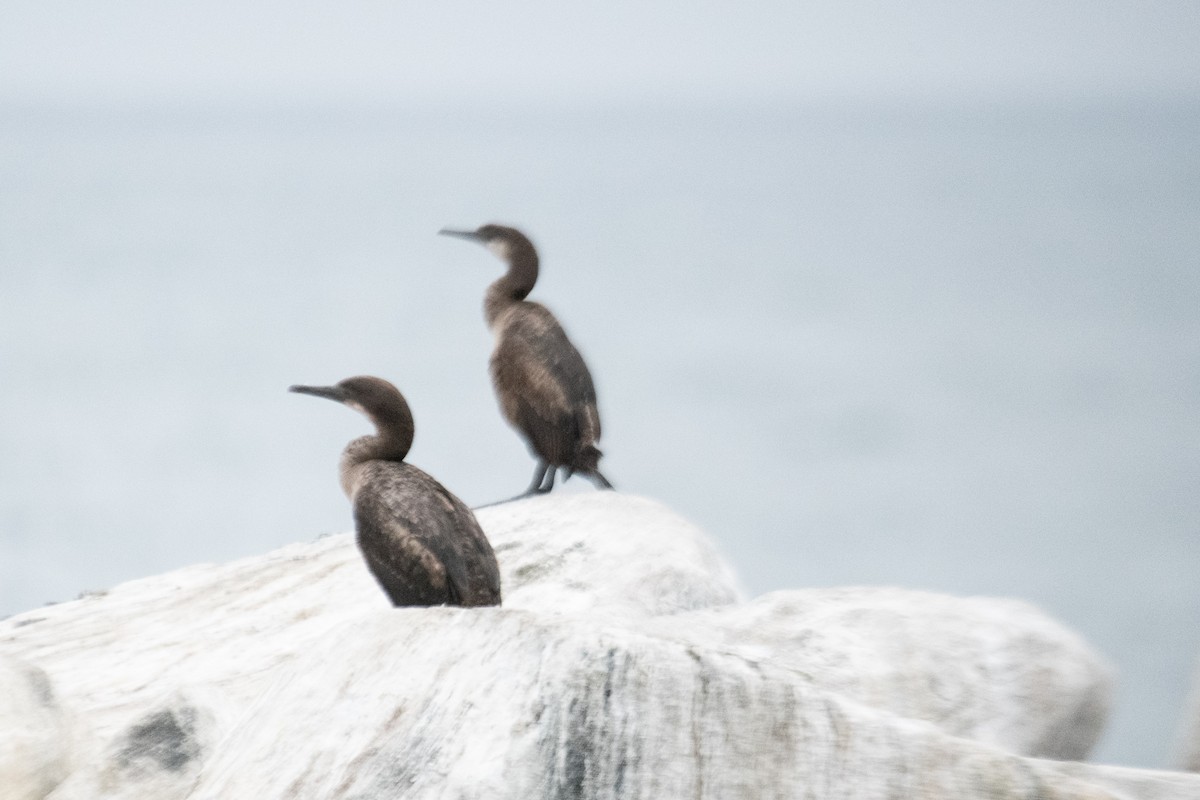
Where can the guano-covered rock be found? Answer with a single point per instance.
(624, 663)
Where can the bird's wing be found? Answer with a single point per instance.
(482, 584)
(456, 537)
(544, 384)
(401, 580)
(408, 530)
(533, 400)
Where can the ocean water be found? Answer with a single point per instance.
(948, 348)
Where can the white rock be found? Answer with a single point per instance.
(131, 659)
(572, 553)
(1189, 734)
(35, 734)
(621, 666)
(508, 704)
(990, 669)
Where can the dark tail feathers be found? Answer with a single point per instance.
(587, 459)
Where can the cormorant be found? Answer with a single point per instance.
(420, 542)
(544, 388)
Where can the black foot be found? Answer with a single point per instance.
(543, 479)
(543, 482)
(598, 479)
(514, 499)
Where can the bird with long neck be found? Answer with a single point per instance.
(422, 544)
(543, 385)
(383, 404)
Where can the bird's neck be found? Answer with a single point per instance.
(391, 444)
(513, 286)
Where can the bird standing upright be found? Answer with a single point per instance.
(420, 542)
(543, 385)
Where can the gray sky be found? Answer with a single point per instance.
(464, 50)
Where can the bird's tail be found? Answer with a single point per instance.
(587, 459)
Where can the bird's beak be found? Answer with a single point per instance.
(470, 235)
(329, 392)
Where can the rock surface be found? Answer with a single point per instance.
(623, 664)
(35, 734)
(1189, 734)
(990, 669)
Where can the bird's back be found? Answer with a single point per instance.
(421, 542)
(544, 386)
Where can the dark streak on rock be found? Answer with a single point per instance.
(700, 700)
(584, 741)
(579, 750)
(41, 686)
(166, 738)
(610, 664)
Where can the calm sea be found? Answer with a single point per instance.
(945, 348)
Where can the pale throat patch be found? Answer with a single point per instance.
(351, 478)
(499, 248)
(499, 323)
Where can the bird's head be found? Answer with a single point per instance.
(508, 244)
(379, 400)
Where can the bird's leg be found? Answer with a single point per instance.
(598, 479)
(547, 482)
(540, 473)
(539, 485)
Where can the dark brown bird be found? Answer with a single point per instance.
(420, 542)
(544, 388)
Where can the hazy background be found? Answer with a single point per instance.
(901, 295)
